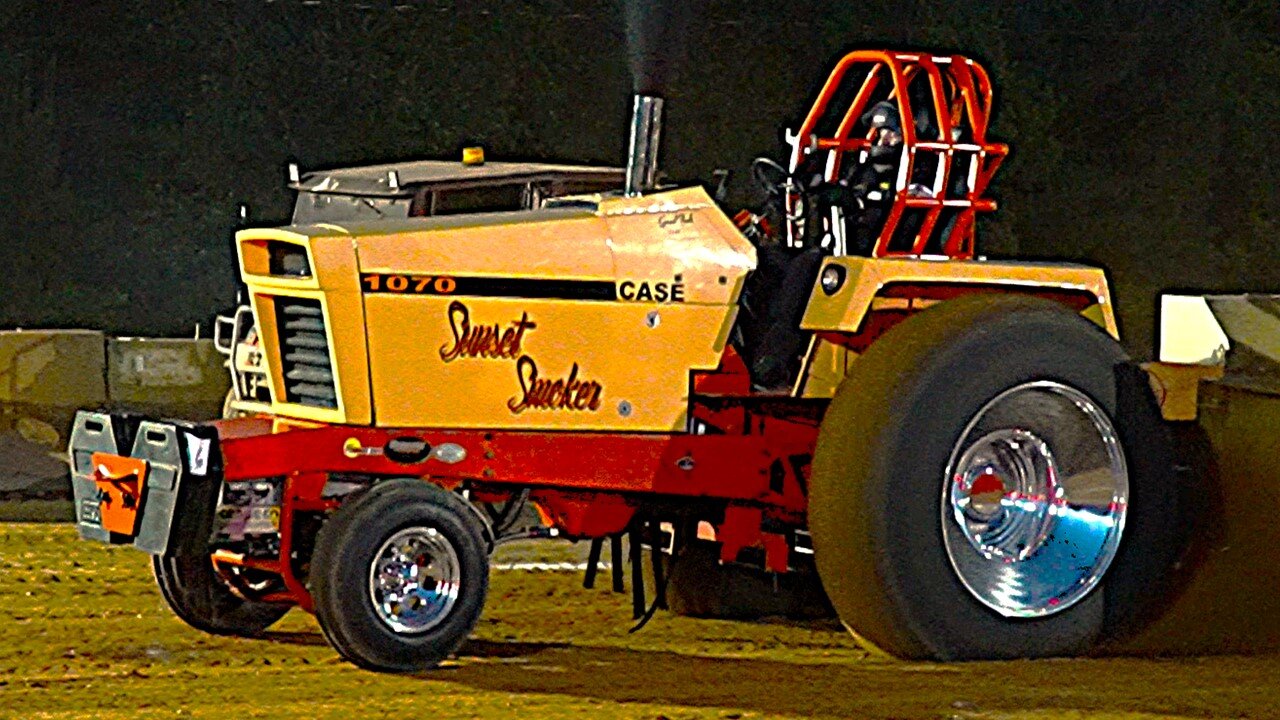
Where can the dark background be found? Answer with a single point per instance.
(1145, 134)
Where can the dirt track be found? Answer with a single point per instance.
(85, 635)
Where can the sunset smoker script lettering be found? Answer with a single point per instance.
(490, 341)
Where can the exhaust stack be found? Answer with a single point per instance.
(642, 155)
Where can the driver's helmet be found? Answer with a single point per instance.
(886, 127)
(883, 116)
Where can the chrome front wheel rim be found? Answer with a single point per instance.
(415, 580)
(1034, 500)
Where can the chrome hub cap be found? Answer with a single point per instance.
(1034, 500)
(414, 580)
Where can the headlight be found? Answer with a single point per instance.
(288, 259)
(832, 278)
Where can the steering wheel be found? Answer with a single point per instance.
(771, 177)
(785, 190)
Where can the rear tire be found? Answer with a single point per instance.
(399, 576)
(201, 599)
(916, 410)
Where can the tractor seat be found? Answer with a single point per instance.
(767, 334)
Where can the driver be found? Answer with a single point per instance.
(771, 341)
(866, 192)
(768, 333)
(873, 179)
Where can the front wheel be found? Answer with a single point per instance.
(229, 411)
(203, 600)
(987, 484)
(399, 576)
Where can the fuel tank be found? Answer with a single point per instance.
(585, 316)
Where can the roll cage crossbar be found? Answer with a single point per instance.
(947, 161)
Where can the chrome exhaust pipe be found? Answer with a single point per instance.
(642, 157)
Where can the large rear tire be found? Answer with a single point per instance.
(201, 599)
(399, 576)
(971, 489)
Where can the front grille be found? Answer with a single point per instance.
(304, 352)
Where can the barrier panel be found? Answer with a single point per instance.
(47, 375)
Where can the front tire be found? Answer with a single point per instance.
(229, 411)
(970, 487)
(201, 599)
(399, 576)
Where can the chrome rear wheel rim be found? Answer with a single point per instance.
(1034, 500)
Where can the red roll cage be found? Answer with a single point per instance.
(947, 161)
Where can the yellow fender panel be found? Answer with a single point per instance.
(865, 279)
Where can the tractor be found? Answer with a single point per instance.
(836, 382)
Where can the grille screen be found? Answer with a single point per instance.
(304, 352)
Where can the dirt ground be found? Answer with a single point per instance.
(84, 634)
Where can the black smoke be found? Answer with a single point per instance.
(656, 35)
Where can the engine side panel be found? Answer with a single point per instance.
(551, 320)
(330, 283)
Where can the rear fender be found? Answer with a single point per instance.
(864, 297)
(865, 285)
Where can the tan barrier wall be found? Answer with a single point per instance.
(47, 375)
(59, 368)
(176, 378)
